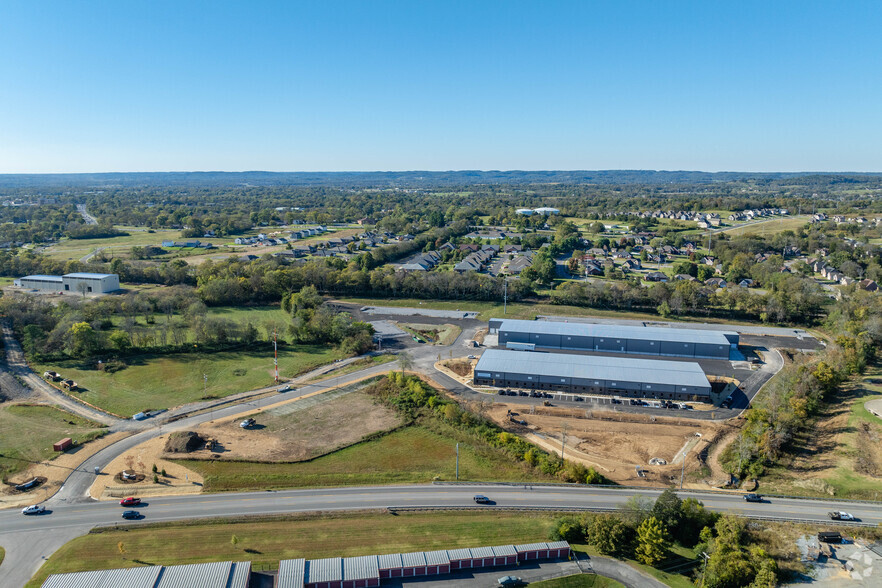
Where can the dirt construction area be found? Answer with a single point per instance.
(616, 444)
(299, 430)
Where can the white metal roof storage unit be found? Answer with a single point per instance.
(592, 374)
(224, 574)
(77, 283)
(616, 338)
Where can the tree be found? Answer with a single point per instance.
(121, 547)
(82, 340)
(234, 541)
(120, 341)
(667, 509)
(592, 477)
(766, 574)
(636, 509)
(405, 362)
(652, 542)
(609, 534)
(705, 272)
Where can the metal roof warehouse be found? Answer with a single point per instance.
(616, 338)
(223, 574)
(592, 374)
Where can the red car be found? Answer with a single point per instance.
(130, 501)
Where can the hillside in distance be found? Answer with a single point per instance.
(410, 179)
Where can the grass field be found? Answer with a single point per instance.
(579, 581)
(28, 432)
(156, 381)
(673, 580)
(116, 246)
(410, 455)
(522, 310)
(307, 536)
(358, 364)
(770, 227)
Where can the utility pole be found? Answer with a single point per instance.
(276, 356)
(563, 441)
(457, 462)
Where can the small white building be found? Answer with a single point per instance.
(78, 283)
(546, 210)
(525, 211)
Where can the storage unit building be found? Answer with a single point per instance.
(324, 573)
(389, 565)
(437, 562)
(292, 573)
(413, 564)
(40, 282)
(361, 572)
(78, 283)
(222, 574)
(558, 549)
(590, 374)
(531, 551)
(504, 555)
(460, 559)
(616, 338)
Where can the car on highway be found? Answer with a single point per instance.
(285, 388)
(838, 515)
(130, 501)
(481, 499)
(753, 497)
(131, 514)
(33, 509)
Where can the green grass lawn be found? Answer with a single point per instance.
(406, 456)
(157, 381)
(306, 536)
(114, 246)
(579, 581)
(28, 432)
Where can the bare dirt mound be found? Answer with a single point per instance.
(184, 442)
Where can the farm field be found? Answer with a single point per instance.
(67, 249)
(27, 433)
(300, 430)
(414, 454)
(306, 536)
(151, 382)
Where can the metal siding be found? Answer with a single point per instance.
(360, 568)
(291, 573)
(324, 570)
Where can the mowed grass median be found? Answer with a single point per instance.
(307, 536)
(151, 382)
(27, 433)
(413, 454)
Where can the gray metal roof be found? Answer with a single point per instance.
(42, 278)
(616, 331)
(586, 367)
(482, 552)
(88, 275)
(437, 558)
(389, 561)
(413, 560)
(292, 573)
(141, 577)
(325, 570)
(504, 550)
(558, 545)
(208, 575)
(222, 574)
(531, 547)
(360, 568)
(459, 554)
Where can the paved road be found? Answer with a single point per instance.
(88, 257)
(90, 220)
(16, 361)
(20, 534)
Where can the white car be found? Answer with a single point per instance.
(838, 515)
(285, 388)
(33, 509)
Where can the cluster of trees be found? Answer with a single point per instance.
(645, 530)
(789, 402)
(313, 321)
(420, 402)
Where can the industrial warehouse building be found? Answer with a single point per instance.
(615, 338)
(592, 374)
(78, 283)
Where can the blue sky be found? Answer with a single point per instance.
(375, 85)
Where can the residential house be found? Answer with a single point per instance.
(656, 277)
